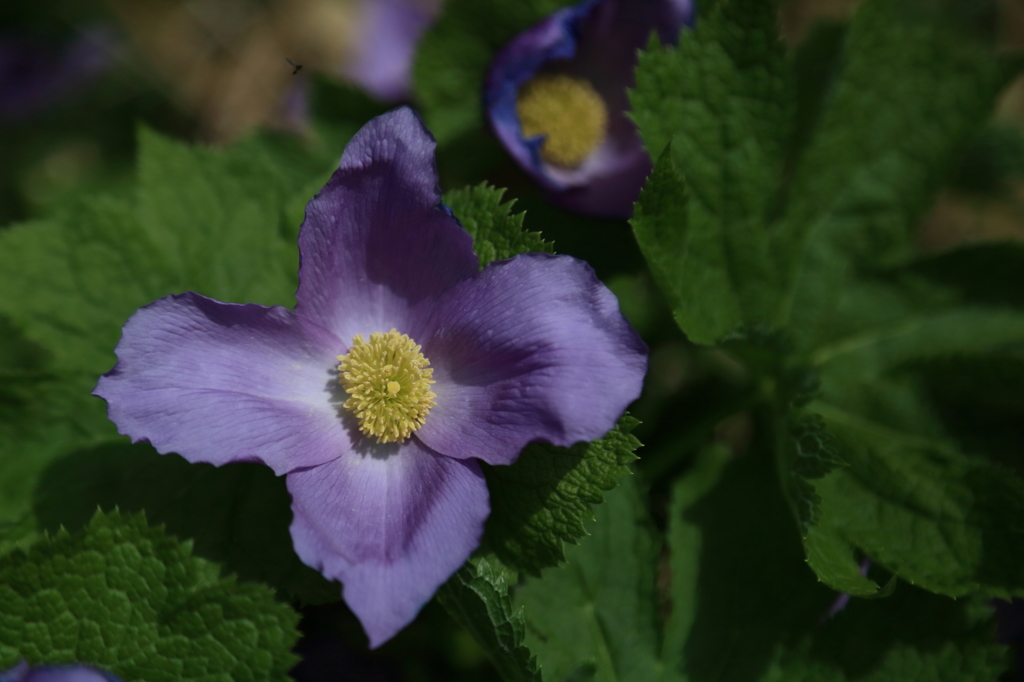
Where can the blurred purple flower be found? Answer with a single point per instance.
(55, 673)
(387, 44)
(556, 98)
(35, 77)
(387, 491)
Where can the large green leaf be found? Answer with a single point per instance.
(478, 597)
(129, 598)
(948, 522)
(872, 167)
(745, 607)
(201, 220)
(596, 617)
(723, 99)
(237, 514)
(497, 233)
(542, 501)
(858, 647)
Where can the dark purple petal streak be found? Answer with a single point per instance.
(533, 348)
(392, 522)
(375, 242)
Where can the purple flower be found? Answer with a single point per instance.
(556, 98)
(386, 46)
(441, 365)
(35, 78)
(55, 673)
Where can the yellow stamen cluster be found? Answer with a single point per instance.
(568, 111)
(388, 381)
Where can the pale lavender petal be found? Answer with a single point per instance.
(68, 673)
(392, 523)
(376, 241)
(57, 673)
(535, 348)
(220, 382)
(15, 674)
(387, 44)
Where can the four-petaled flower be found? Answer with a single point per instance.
(556, 97)
(402, 366)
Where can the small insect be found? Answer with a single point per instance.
(291, 63)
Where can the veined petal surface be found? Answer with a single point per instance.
(392, 522)
(375, 241)
(534, 348)
(220, 382)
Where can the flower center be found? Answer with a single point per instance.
(568, 111)
(388, 382)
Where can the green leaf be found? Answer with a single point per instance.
(688, 269)
(46, 418)
(812, 454)
(685, 547)
(129, 598)
(950, 523)
(910, 499)
(541, 502)
(869, 370)
(208, 221)
(840, 652)
(752, 611)
(872, 168)
(238, 514)
(933, 334)
(815, 62)
(723, 99)
(454, 55)
(496, 233)
(478, 597)
(201, 220)
(596, 617)
(754, 590)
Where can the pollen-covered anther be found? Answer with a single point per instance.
(388, 381)
(568, 112)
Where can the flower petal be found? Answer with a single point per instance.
(534, 348)
(219, 382)
(376, 239)
(55, 673)
(68, 673)
(392, 522)
(596, 40)
(386, 46)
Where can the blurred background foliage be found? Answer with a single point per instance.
(79, 77)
